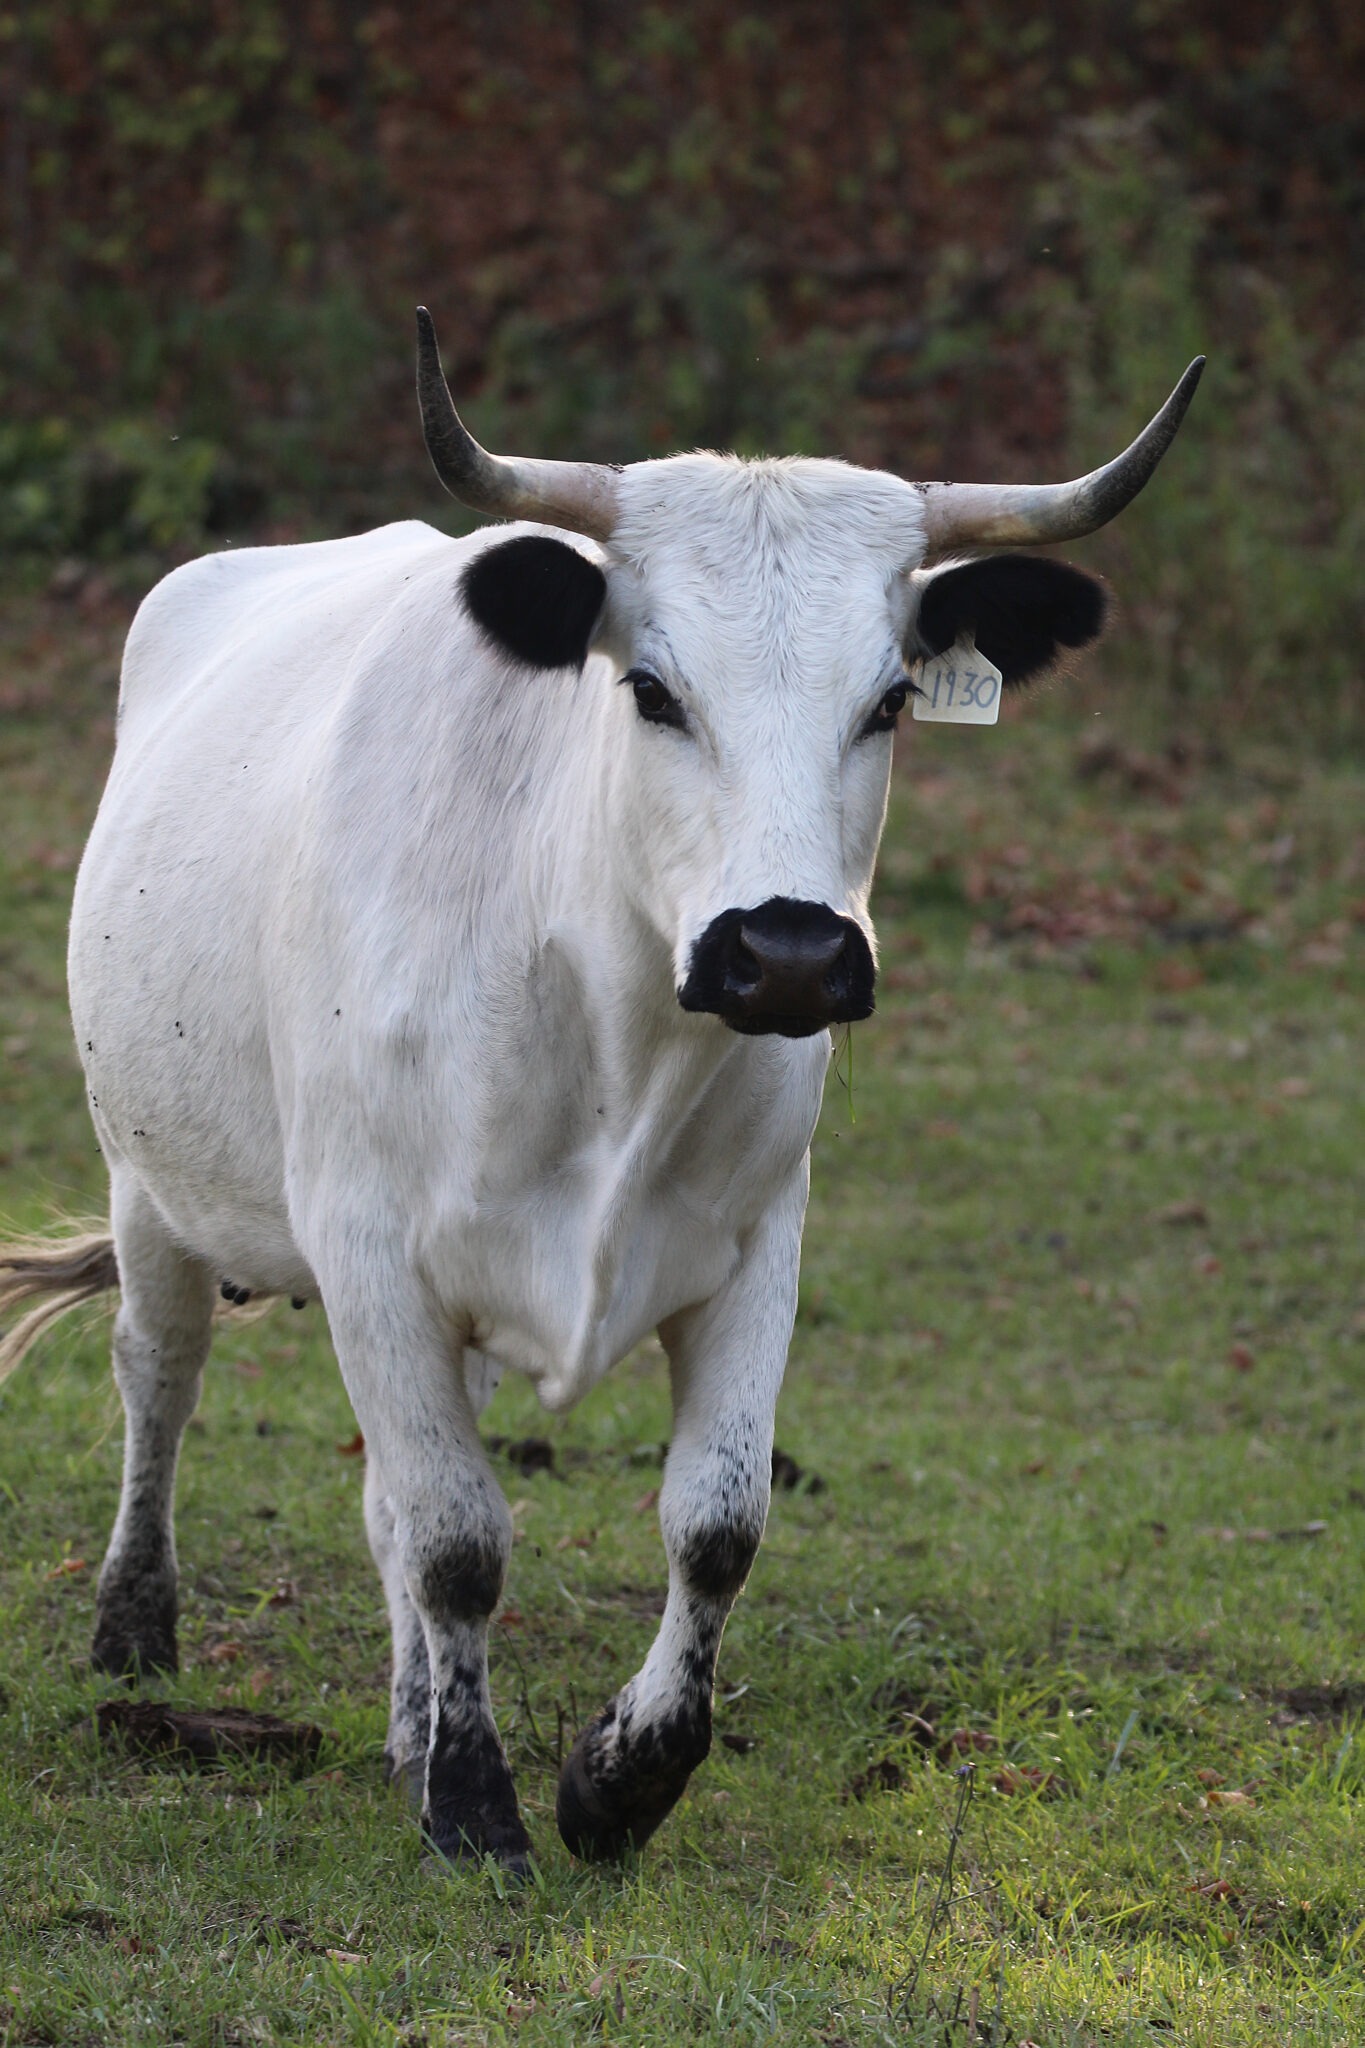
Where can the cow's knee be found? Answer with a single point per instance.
(456, 1579)
(714, 1557)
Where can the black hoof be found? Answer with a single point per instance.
(510, 1848)
(612, 1797)
(135, 1628)
(147, 1654)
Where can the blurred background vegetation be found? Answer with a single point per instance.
(969, 239)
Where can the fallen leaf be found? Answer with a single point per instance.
(1015, 1779)
(345, 1955)
(1216, 1888)
(1294, 1087)
(226, 1652)
(1175, 976)
(1189, 1213)
(511, 1617)
(964, 1742)
(1241, 1357)
(259, 1680)
(646, 1501)
(67, 1566)
(1208, 1264)
(354, 1448)
(1230, 1797)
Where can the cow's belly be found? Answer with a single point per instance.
(171, 1033)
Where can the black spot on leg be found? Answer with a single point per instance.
(715, 1561)
(462, 1583)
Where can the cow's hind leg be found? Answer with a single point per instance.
(409, 1736)
(442, 1536)
(161, 1339)
(630, 1765)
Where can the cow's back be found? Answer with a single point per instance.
(205, 619)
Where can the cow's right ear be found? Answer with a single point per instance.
(537, 599)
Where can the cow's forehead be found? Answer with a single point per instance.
(716, 537)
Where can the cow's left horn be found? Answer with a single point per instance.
(580, 496)
(994, 515)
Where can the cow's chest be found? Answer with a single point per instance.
(561, 1265)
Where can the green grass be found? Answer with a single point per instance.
(1078, 1368)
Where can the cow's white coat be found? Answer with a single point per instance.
(374, 960)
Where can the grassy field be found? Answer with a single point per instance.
(1076, 1403)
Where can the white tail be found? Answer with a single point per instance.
(62, 1271)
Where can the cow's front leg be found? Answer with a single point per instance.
(630, 1765)
(442, 1536)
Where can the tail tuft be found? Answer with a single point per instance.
(62, 1272)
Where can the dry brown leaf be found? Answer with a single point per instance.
(67, 1566)
(227, 1652)
(354, 1448)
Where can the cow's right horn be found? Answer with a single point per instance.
(580, 496)
(1002, 515)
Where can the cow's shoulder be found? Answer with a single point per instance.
(207, 609)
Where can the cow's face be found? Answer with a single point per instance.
(758, 620)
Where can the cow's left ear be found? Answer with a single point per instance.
(1023, 611)
(537, 599)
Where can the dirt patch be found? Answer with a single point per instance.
(1318, 1702)
(204, 1737)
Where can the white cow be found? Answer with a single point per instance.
(455, 945)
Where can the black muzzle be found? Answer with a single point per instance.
(787, 967)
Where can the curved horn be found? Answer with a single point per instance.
(580, 496)
(991, 515)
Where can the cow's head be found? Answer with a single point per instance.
(760, 622)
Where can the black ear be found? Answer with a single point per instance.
(537, 599)
(1023, 610)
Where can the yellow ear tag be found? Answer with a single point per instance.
(959, 686)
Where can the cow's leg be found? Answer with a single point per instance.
(442, 1535)
(409, 1737)
(629, 1766)
(161, 1339)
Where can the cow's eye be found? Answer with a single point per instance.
(653, 701)
(889, 710)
